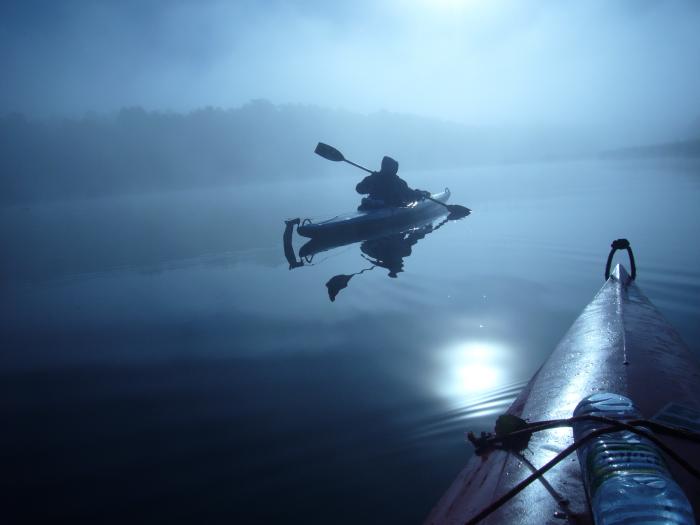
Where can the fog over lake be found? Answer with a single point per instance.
(166, 356)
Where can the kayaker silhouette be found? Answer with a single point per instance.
(385, 188)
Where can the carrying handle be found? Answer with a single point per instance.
(620, 244)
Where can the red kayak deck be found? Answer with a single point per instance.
(620, 344)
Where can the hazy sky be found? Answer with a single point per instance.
(634, 63)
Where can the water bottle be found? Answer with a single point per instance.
(625, 475)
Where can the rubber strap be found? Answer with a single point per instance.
(620, 244)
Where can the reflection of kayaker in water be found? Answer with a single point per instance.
(386, 188)
(386, 252)
(389, 252)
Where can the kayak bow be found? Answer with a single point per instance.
(619, 344)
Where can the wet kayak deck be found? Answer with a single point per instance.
(620, 343)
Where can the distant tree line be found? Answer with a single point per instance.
(681, 148)
(136, 150)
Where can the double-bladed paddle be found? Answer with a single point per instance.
(330, 153)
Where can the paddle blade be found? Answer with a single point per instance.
(337, 283)
(457, 211)
(328, 152)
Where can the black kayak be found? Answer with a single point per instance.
(360, 224)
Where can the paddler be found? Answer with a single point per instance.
(385, 188)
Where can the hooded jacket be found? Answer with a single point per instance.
(385, 185)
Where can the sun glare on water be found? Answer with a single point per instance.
(471, 368)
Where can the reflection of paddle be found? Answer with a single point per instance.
(330, 153)
(338, 282)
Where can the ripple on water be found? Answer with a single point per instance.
(486, 405)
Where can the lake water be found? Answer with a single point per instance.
(161, 362)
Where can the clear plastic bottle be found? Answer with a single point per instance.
(625, 474)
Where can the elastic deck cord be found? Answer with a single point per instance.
(496, 442)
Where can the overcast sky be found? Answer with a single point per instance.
(630, 63)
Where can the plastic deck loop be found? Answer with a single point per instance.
(620, 244)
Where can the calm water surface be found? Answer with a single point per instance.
(160, 362)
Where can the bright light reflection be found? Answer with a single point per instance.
(472, 368)
(477, 377)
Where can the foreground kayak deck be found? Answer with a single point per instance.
(620, 344)
(362, 223)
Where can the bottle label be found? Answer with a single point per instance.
(620, 457)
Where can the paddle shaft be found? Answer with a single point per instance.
(358, 166)
(437, 201)
(331, 153)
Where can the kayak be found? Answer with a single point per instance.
(359, 224)
(620, 344)
(329, 242)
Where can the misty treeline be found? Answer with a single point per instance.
(687, 147)
(135, 150)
